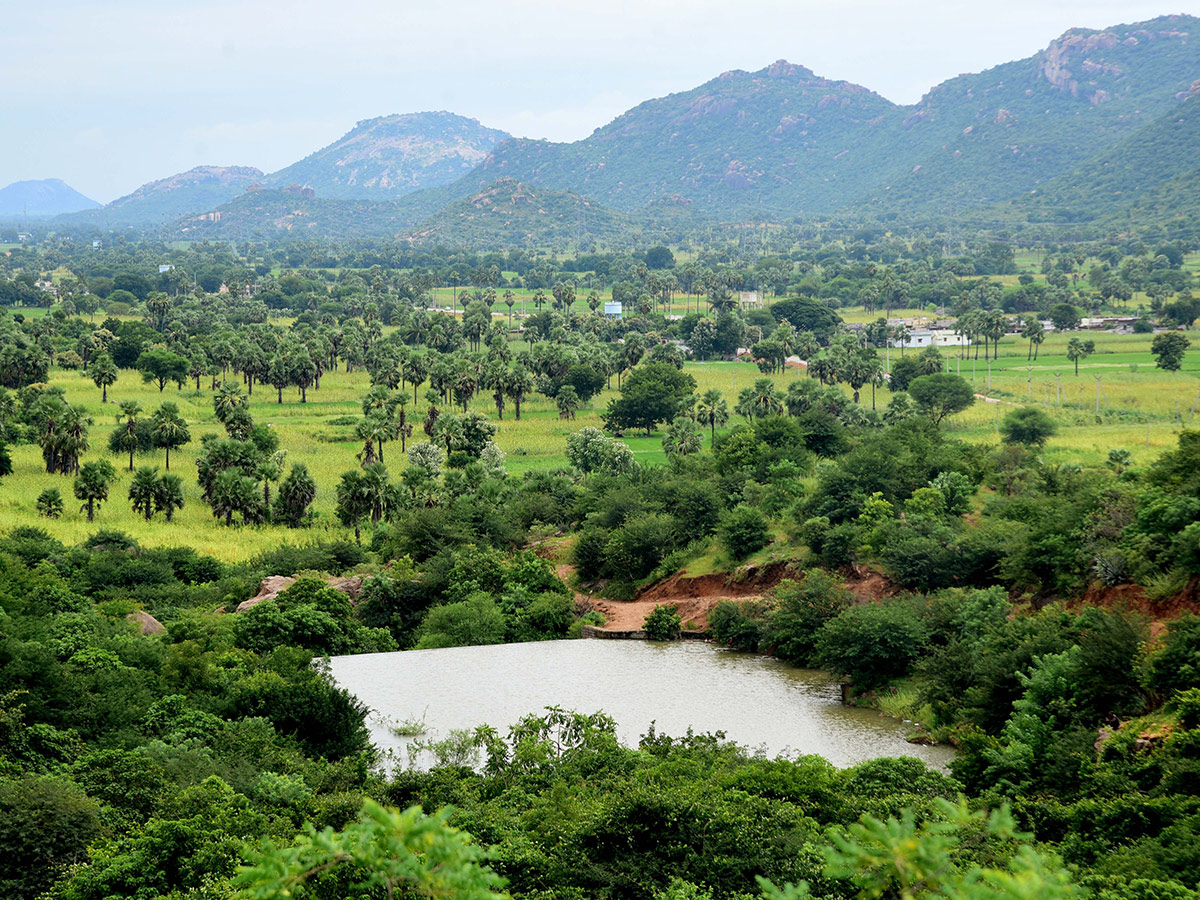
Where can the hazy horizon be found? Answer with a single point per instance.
(111, 98)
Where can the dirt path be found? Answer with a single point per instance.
(630, 615)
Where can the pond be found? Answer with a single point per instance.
(759, 702)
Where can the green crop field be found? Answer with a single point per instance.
(1141, 408)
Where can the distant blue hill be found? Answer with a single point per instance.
(48, 197)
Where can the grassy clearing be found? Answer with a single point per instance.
(1142, 409)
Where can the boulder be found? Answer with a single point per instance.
(273, 585)
(146, 623)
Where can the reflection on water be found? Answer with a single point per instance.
(758, 702)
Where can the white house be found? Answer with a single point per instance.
(612, 309)
(920, 338)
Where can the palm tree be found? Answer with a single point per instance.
(400, 420)
(169, 496)
(130, 410)
(169, 429)
(233, 492)
(568, 402)
(713, 411)
(228, 399)
(415, 372)
(379, 492)
(104, 374)
(682, 438)
(377, 399)
(353, 502)
(510, 300)
(296, 494)
(856, 369)
(143, 491)
(517, 385)
(901, 334)
(73, 438)
(1035, 333)
(92, 484)
(376, 428)
(269, 468)
(766, 398)
(823, 369)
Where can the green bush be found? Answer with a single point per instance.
(743, 530)
(802, 608)
(1177, 666)
(731, 625)
(871, 645)
(663, 624)
(474, 621)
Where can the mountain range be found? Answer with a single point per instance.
(1100, 126)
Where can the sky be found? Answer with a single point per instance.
(108, 96)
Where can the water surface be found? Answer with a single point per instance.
(757, 701)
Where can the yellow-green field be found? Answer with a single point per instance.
(1141, 409)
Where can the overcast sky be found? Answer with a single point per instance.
(109, 96)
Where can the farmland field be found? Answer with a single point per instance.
(1141, 408)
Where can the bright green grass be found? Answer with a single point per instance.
(1138, 412)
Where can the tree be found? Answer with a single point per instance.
(92, 484)
(104, 374)
(743, 530)
(353, 501)
(567, 401)
(760, 400)
(651, 394)
(663, 624)
(682, 438)
(161, 366)
(801, 608)
(942, 395)
(1064, 316)
(228, 400)
(377, 428)
(279, 374)
(1035, 333)
(1077, 350)
(46, 825)
(871, 644)
(393, 853)
(518, 384)
(169, 429)
(62, 433)
(143, 491)
(1168, 349)
(50, 503)
(267, 469)
(591, 450)
(232, 492)
(169, 496)
(713, 411)
(295, 496)
(904, 370)
(127, 421)
(1028, 426)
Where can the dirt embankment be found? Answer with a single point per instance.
(748, 582)
(694, 597)
(868, 585)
